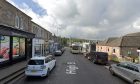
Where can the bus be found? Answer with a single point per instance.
(76, 48)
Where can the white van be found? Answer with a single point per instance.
(40, 66)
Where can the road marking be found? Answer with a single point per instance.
(71, 68)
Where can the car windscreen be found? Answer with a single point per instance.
(102, 55)
(75, 47)
(36, 62)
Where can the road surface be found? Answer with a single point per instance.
(75, 69)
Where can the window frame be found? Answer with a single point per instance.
(17, 21)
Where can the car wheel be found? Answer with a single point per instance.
(111, 71)
(136, 82)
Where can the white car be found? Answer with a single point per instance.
(40, 66)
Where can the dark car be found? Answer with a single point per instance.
(58, 49)
(98, 57)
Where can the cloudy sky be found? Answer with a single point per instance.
(89, 19)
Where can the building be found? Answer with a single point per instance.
(15, 38)
(40, 42)
(102, 46)
(123, 48)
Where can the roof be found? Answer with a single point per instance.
(115, 42)
(107, 41)
(129, 40)
(126, 41)
(133, 34)
(41, 57)
(38, 58)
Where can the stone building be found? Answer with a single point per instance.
(123, 48)
(15, 37)
(40, 42)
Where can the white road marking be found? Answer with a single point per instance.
(71, 68)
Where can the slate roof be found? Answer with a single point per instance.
(107, 41)
(128, 40)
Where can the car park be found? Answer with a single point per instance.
(98, 57)
(126, 70)
(40, 66)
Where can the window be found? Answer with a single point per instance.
(37, 49)
(48, 59)
(22, 47)
(4, 48)
(18, 47)
(114, 51)
(36, 62)
(15, 46)
(132, 67)
(21, 24)
(17, 22)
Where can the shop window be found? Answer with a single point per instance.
(22, 47)
(37, 49)
(4, 48)
(16, 46)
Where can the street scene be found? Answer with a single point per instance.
(69, 42)
(75, 69)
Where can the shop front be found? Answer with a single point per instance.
(15, 45)
(39, 48)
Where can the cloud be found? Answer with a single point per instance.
(90, 19)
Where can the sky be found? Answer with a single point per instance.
(85, 19)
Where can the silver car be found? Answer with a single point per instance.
(126, 70)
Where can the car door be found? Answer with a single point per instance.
(47, 62)
(131, 72)
(51, 63)
(119, 69)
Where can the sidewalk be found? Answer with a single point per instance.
(109, 63)
(4, 72)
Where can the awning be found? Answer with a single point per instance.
(9, 31)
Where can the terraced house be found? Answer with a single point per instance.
(121, 49)
(40, 42)
(20, 38)
(15, 37)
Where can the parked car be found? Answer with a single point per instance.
(58, 53)
(58, 49)
(98, 57)
(63, 49)
(126, 70)
(40, 66)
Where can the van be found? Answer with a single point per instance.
(98, 57)
(40, 66)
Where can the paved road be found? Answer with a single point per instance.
(75, 69)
